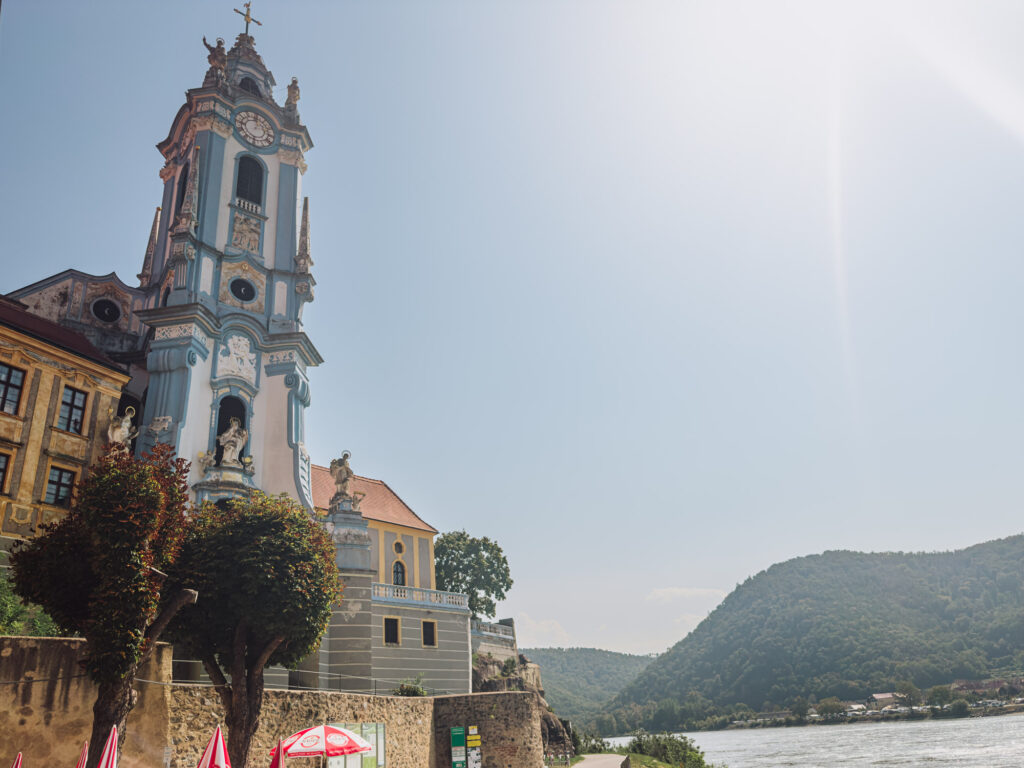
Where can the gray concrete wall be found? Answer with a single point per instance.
(346, 651)
(445, 669)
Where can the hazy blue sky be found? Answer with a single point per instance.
(654, 293)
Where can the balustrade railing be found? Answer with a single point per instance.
(487, 628)
(419, 595)
(247, 205)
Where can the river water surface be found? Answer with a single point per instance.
(975, 742)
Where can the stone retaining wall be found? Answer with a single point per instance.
(48, 719)
(47, 714)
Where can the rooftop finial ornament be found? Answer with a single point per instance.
(247, 15)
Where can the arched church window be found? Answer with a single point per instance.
(250, 180)
(182, 187)
(398, 574)
(230, 407)
(248, 85)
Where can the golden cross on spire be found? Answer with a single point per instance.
(248, 16)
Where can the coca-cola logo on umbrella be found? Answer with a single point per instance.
(310, 741)
(338, 739)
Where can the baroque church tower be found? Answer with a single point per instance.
(213, 333)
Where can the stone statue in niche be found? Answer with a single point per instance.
(342, 474)
(237, 359)
(232, 441)
(120, 430)
(246, 234)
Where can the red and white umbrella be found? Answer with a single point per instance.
(326, 740)
(278, 761)
(17, 761)
(82, 758)
(216, 754)
(109, 757)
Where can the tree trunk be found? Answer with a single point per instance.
(113, 703)
(116, 699)
(243, 697)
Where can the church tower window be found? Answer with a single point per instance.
(248, 85)
(398, 574)
(182, 188)
(230, 407)
(250, 180)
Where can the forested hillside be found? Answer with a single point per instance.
(579, 682)
(840, 624)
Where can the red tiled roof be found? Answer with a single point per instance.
(379, 501)
(13, 316)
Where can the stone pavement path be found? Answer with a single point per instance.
(600, 761)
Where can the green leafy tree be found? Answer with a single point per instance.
(268, 579)
(476, 567)
(799, 707)
(939, 695)
(830, 707)
(99, 573)
(19, 618)
(909, 693)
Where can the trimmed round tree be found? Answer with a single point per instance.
(99, 573)
(267, 577)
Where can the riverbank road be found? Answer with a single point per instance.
(600, 761)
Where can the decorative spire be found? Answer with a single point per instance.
(186, 222)
(303, 261)
(248, 17)
(147, 263)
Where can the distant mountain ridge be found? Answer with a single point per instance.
(579, 682)
(843, 624)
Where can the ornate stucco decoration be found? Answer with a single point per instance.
(235, 269)
(159, 424)
(245, 234)
(236, 358)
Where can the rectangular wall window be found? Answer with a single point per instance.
(58, 487)
(392, 636)
(5, 462)
(11, 382)
(430, 634)
(72, 411)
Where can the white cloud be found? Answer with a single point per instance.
(672, 594)
(540, 633)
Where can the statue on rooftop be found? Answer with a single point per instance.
(342, 474)
(218, 59)
(293, 93)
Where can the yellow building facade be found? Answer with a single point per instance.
(56, 393)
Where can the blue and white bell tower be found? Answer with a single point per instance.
(226, 275)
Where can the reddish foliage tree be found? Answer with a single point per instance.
(100, 572)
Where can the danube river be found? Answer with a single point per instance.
(975, 742)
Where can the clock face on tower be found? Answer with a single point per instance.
(255, 129)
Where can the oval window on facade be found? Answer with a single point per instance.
(243, 290)
(106, 311)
